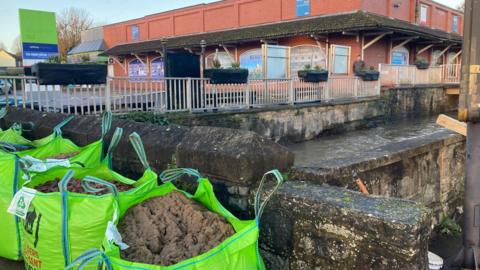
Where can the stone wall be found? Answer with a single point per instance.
(308, 226)
(307, 121)
(429, 170)
(415, 100)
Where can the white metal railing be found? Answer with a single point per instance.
(394, 75)
(124, 94)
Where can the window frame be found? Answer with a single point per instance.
(426, 8)
(138, 32)
(457, 29)
(333, 56)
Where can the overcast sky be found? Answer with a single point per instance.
(102, 11)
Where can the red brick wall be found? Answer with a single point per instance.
(441, 17)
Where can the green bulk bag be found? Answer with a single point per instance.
(240, 251)
(12, 139)
(14, 171)
(60, 226)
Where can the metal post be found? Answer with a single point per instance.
(189, 94)
(203, 46)
(291, 92)
(164, 55)
(469, 111)
(108, 96)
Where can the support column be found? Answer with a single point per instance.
(203, 46)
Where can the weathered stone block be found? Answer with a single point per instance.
(307, 226)
(236, 156)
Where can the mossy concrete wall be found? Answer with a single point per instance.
(309, 226)
(429, 170)
(307, 121)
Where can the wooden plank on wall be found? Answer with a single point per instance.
(452, 124)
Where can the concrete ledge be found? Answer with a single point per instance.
(334, 228)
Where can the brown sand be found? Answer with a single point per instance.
(75, 185)
(64, 156)
(169, 229)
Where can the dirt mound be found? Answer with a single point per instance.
(75, 185)
(169, 229)
(63, 156)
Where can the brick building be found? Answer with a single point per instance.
(275, 38)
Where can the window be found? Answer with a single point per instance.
(277, 61)
(423, 14)
(252, 60)
(225, 59)
(137, 70)
(455, 24)
(306, 54)
(157, 69)
(135, 31)
(400, 56)
(341, 59)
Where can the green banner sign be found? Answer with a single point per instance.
(38, 26)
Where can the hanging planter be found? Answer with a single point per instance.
(369, 74)
(233, 75)
(313, 75)
(422, 63)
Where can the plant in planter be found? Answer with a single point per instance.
(422, 63)
(233, 75)
(313, 75)
(369, 74)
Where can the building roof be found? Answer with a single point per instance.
(16, 57)
(89, 46)
(356, 21)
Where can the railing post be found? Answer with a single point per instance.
(189, 94)
(108, 95)
(247, 94)
(355, 87)
(379, 85)
(327, 89)
(291, 92)
(397, 79)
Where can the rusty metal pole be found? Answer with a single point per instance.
(469, 111)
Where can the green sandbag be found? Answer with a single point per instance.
(59, 226)
(240, 251)
(14, 174)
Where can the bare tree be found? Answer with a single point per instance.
(2, 45)
(17, 46)
(461, 6)
(70, 24)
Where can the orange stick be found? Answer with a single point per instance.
(362, 186)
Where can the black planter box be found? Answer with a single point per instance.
(313, 75)
(64, 74)
(422, 65)
(227, 76)
(369, 75)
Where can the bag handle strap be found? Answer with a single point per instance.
(17, 127)
(173, 174)
(106, 123)
(62, 186)
(9, 147)
(259, 205)
(89, 256)
(116, 137)
(137, 144)
(58, 128)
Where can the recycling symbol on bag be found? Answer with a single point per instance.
(21, 202)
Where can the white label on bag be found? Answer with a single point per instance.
(21, 201)
(114, 236)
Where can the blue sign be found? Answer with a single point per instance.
(37, 51)
(157, 69)
(455, 24)
(399, 58)
(303, 8)
(252, 60)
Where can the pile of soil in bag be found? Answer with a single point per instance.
(75, 185)
(63, 156)
(168, 229)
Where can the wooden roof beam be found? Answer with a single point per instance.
(403, 43)
(376, 33)
(119, 62)
(424, 49)
(139, 59)
(404, 38)
(373, 41)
